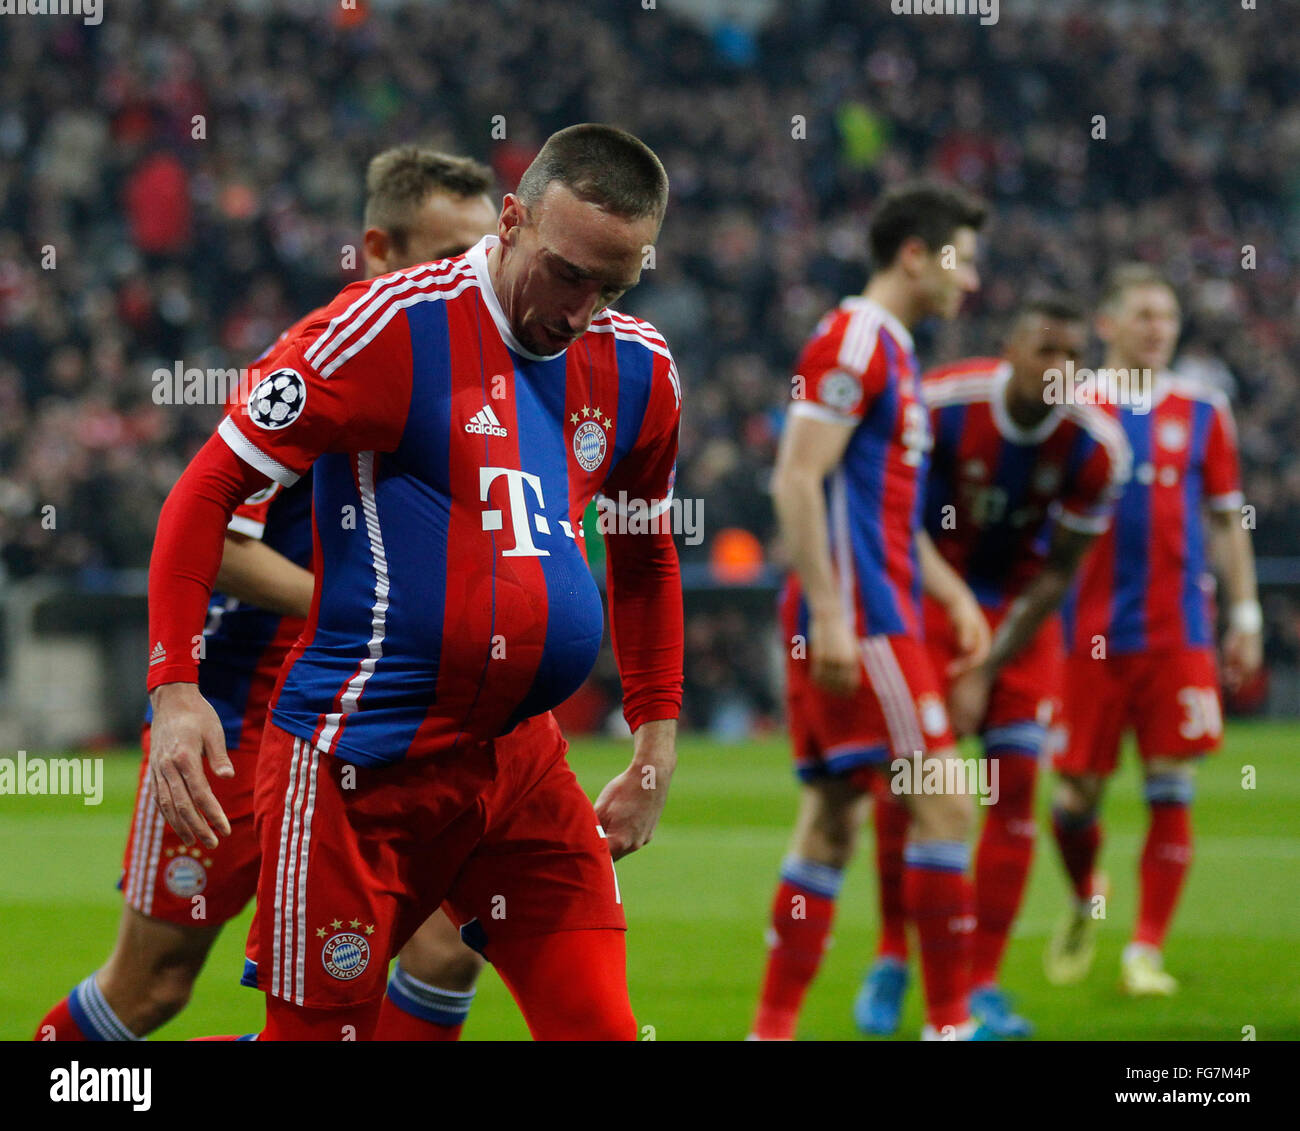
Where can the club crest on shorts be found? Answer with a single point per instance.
(277, 400)
(345, 955)
(185, 876)
(589, 440)
(934, 719)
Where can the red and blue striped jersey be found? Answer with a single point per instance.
(995, 488)
(451, 471)
(858, 369)
(1145, 586)
(243, 645)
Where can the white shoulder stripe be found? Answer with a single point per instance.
(628, 322)
(950, 390)
(861, 337)
(382, 290)
(387, 316)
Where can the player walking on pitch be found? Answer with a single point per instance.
(464, 413)
(421, 205)
(861, 690)
(1139, 635)
(1020, 486)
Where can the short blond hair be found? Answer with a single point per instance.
(1127, 277)
(401, 179)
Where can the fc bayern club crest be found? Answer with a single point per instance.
(589, 441)
(345, 955)
(185, 877)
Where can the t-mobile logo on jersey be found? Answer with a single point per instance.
(492, 520)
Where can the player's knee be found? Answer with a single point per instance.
(456, 971)
(829, 832)
(1078, 796)
(943, 816)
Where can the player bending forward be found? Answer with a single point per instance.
(861, 689)
(420, 205)
(459, 416)
(1020, 486)
(1140, 637)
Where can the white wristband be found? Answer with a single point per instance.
(1246, 617)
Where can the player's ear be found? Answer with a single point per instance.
(913, 256)
(513, 217)
(376, 245)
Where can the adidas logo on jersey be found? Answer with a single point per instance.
(158, 655)
(485, 423)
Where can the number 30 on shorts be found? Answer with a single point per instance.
(1202, 716)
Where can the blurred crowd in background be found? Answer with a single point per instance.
(181, 182)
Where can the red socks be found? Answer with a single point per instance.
(1078, 837)
(395, 1024)
(1006, 850)
(802, 912)
(1165, 860)
(59, 1025)
(939, 900)
(890, 819)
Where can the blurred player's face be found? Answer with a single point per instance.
(1141, 330)
(561, 262)
(1038, 344)
(947, 276)
(445, 225)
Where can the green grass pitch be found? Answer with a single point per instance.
(697, 902)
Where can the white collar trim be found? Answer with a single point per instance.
(1002, 416)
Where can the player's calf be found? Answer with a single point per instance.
(146, 981)
(938, 898)
(803, 907)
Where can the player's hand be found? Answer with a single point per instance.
(184, 731)
(970, 629)
(1243, 653)
(968, 699)
(628, 808)
(833, 650)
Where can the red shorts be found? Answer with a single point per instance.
(193, 887)
(1026, 696)
(897, 710)
(1170, 698)
(356, 858)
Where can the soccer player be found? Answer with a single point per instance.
(1020, 485)
(421, 205)
(1139, 634)
(459, 417)
(861, 689)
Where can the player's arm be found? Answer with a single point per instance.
(968, 695)
(329, 391)
(811, 448)
(186, 556)
(254, 573)
(644, 587)
(1232, 551)
(1041, 597)
(1243, 641)
(942, 583)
